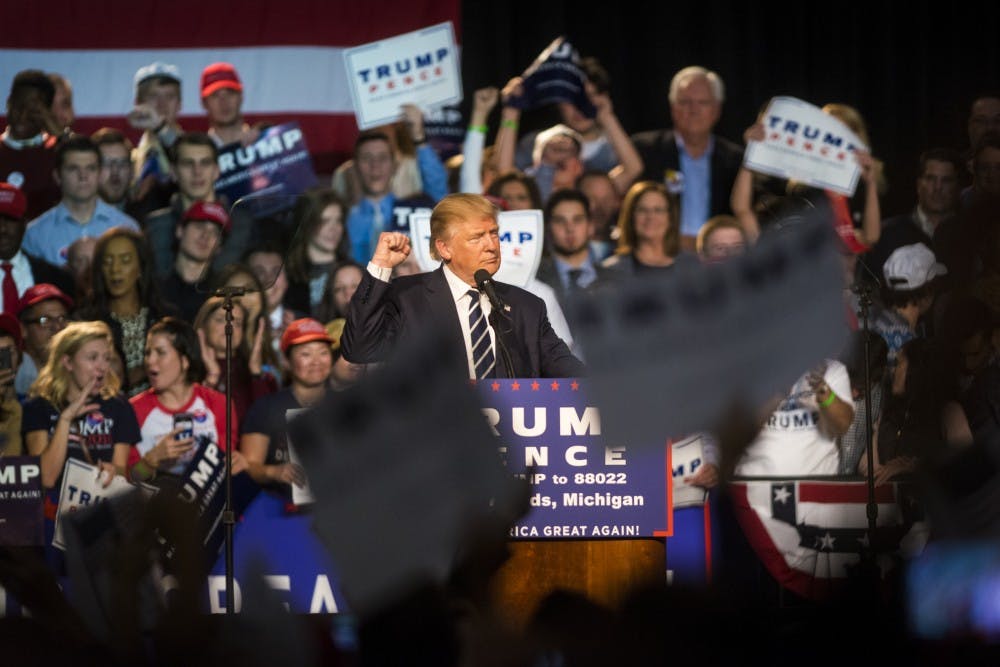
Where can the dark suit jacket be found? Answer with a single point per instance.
(658, 149)
(383, 315)
(43, 272)
(549, 274)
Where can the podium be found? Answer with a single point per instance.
(604, 571)
(600, 511)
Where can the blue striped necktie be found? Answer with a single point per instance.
(482, 347)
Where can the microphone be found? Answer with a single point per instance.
(484, 281)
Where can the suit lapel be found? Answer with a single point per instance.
(442, 308)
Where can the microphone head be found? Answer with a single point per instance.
(482, 277)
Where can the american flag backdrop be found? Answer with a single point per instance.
(807, 534)
(288, 54)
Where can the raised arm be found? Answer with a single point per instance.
(871, 216)
(510, 119)
(741, 198)
(629, 165)
(483, 101)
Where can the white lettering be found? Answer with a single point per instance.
(521, 429)
(570, 423)
(573, 456)
(614, 456)
(217, 590)
(322, 599)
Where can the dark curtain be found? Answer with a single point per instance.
(911, 69)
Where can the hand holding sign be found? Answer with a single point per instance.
(804, 143)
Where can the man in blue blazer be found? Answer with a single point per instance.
(465, 237)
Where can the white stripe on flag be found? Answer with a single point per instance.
(306, 79)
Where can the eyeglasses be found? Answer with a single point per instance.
(46, 321)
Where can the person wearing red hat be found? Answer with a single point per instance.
(195, 163)
(222, 98)
(10, 407)
(264, 441)
(19, 270)
(44, 313)
(200, 234)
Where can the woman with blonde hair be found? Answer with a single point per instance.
(74, 408)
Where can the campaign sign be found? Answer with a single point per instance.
(686, 456)
(82, 487)
(419, 67)
(445, 130)
(521, 237)
(301, 495)
(265, 177)
(201, 485)
(555, 76)
(806, 145)
(22, 500)
(583, 486)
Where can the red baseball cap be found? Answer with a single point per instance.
(219, 75)
(209, 212)
(43, 292)
(304, 330)
(13, 203)
(10, 326)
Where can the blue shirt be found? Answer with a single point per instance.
(588, 274)
(362, 229)
(50, 235)
(696, 197)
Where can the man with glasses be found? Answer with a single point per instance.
(690, 160)
(44, 313)
(115, 181)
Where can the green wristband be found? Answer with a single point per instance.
(482, 129)
(829, 400)
(507, 122)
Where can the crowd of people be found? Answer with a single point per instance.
(111, 252)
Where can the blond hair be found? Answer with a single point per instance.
(54, 379)
(454, 209)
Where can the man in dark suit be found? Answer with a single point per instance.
(465, 237)
(693, 163)
(18, 270)
(937, 203)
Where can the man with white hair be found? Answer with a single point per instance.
(692, 162)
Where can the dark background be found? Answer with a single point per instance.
(911, 69)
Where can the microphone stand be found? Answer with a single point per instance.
(228, 516)
(864, 289)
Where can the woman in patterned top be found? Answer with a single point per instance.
(126, 298)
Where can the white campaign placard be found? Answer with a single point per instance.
(301, 495)
(419, 67)
(521, 238)
(806, 145)
(82, 487)
(686, 456)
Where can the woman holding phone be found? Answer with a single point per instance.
(74, 409)
(177, 415)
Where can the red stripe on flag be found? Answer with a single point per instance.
(770, 556)
(843, 492)
(111, 24)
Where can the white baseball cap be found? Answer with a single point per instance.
(910, 267)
